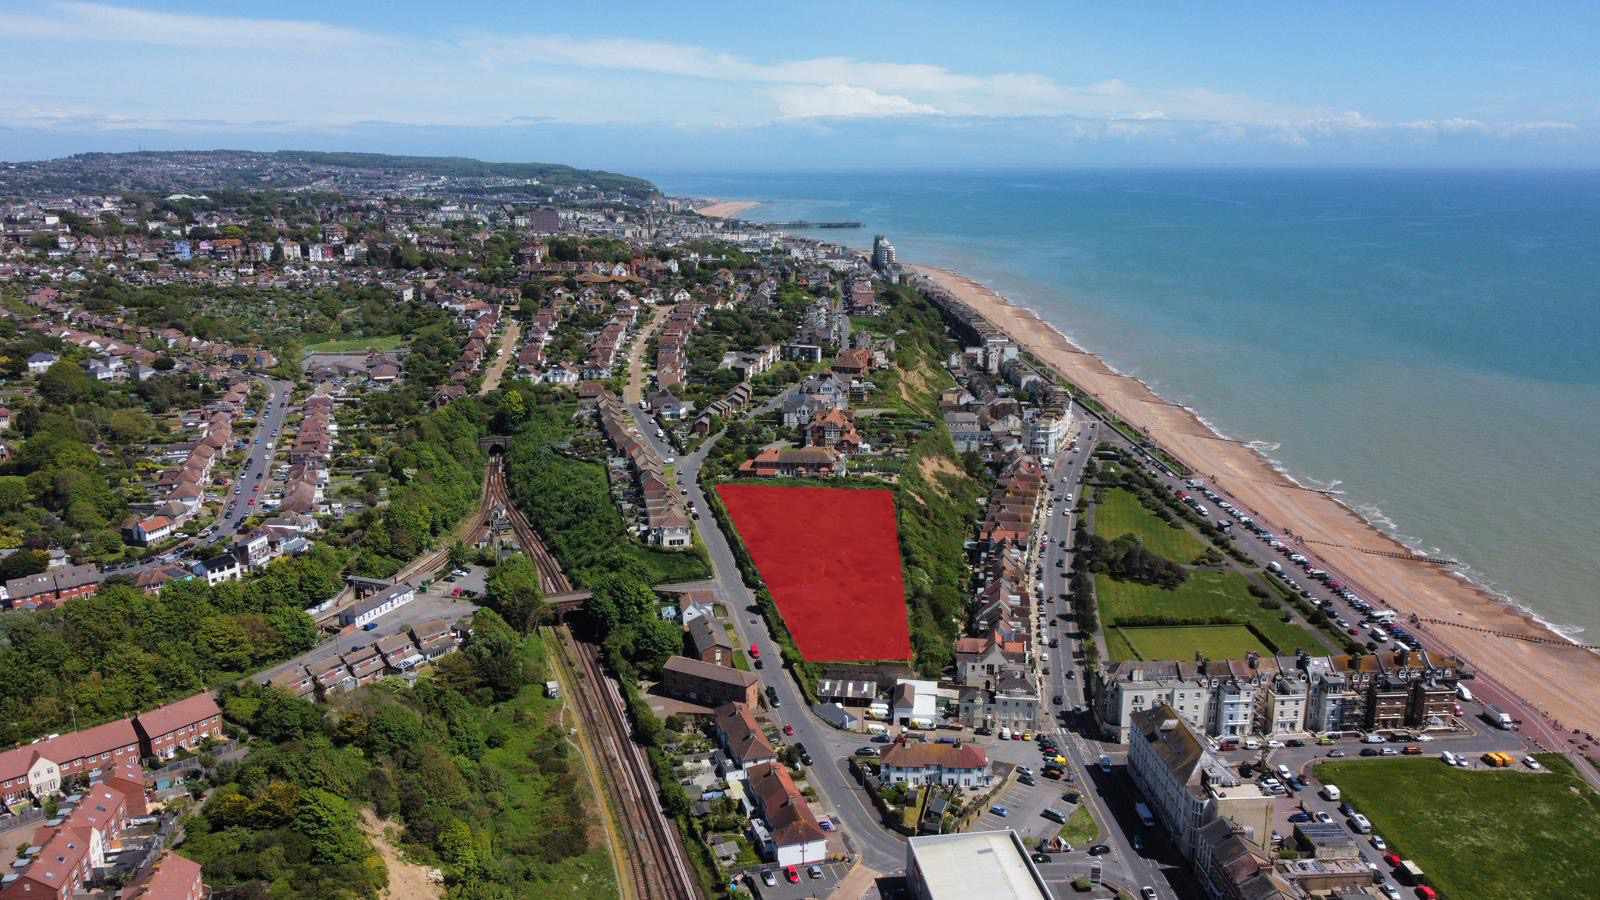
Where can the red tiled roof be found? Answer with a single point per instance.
(173, 716)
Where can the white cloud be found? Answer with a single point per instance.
(341, 76)
(845, 101)
(98, 22)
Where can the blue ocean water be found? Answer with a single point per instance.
(1427, 343)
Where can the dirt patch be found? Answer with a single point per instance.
(914, 386)
(931, 466)
(407, 880)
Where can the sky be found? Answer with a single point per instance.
(814, 86)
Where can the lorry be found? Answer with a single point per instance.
(1144, 814)
(1497, 717)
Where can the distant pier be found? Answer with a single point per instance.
(802, 223)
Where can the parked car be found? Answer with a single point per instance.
(768, 879)
(814, 871)
(999, 810)
(1041, 857)
(792, 874)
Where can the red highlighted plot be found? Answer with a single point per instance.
(831, 558)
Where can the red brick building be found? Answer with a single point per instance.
(180, 725)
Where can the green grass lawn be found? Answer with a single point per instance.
(1503, 834)
(1202, 595)
(382, 342)
(1081, 828)
(1120, 512)
(1181, 642)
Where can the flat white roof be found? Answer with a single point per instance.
(993, 865)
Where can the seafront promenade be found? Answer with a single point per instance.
(1556, 680)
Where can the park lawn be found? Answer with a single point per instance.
(1202, 595)
(1081, 828)
(1503, 834)
(1172, 642)
(1117, 647)
(381, 342)
(1119, 512)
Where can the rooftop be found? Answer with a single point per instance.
(989, 864)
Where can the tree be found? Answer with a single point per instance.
(23, 562)
(327, 822)
(457, 555)
(512, 590)
(64, 383)
(653, 641)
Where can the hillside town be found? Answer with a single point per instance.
(762, 561)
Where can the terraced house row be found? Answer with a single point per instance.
(44, 767)
(1283, 695)
(664, 519)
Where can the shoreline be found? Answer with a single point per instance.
(726, 209)
(1343, 539)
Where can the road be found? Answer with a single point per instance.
(257, 465)
(504, 353)
(839, 794)
(269, 425)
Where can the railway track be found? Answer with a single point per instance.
(552, 579)
(655, 860)
(653, 856)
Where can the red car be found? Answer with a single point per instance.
(1427, 893)
(793, 874)
(254, 488)
(755, 653)
(788, 730)
(1392, 859)
(252, 501)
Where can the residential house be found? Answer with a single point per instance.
(708, 683)
(953, 765)
(741, 737)
(178, 726)
(709, 641)
(791, 835)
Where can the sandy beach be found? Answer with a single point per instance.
(1549, 673)
(726, 209)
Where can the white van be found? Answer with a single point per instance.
(1252, 744)
(1284, 773)
(1330, 792)
(1359, 824)
(1464, 692)
(1005, 733)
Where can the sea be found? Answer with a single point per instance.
(1424, 343)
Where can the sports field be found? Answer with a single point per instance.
(1119, 512)
(1181, 642)
(831, 558)
(1202, 595)
(381, 342)
(1502, 833)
